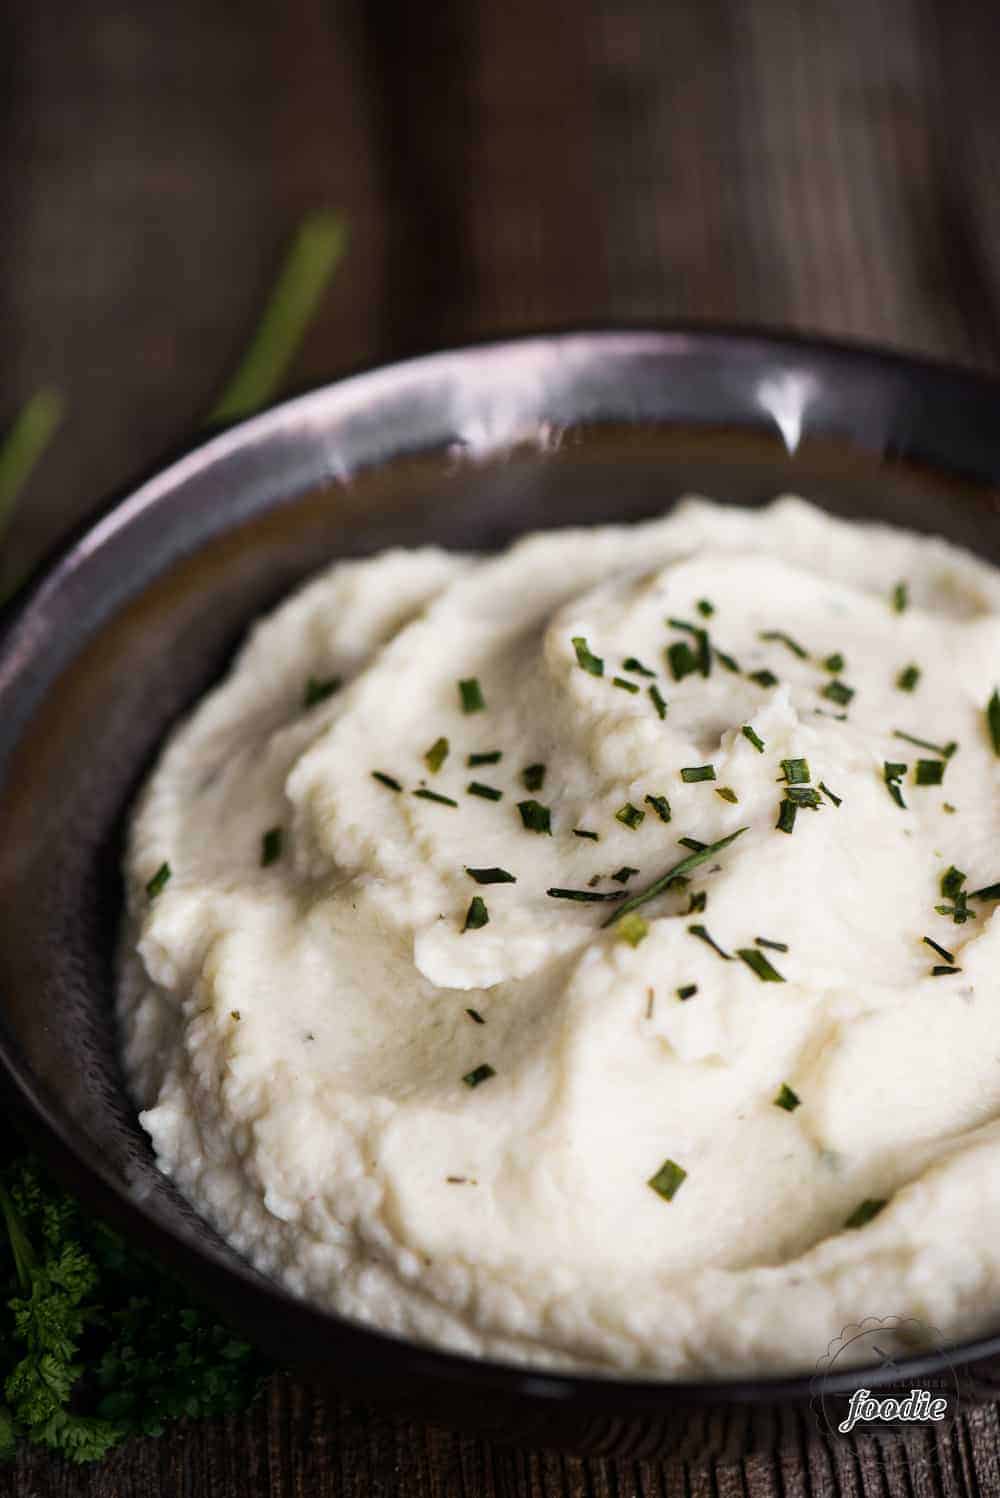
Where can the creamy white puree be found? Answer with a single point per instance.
(297, 1034)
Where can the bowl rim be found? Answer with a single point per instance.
(21, 1096)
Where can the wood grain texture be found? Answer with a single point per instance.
(814, 163)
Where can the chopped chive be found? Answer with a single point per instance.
(624, 874)
(930, 771)
(773, 946)
(701, 932)
(836, 691)
(835, 663)
(947, 806)
(592, 663)
(787, 812)
(436, 755)
(900, 597)
(426, 795)
(681, 659)
(796, 771)
(475, 1016)
(693, 843)
(159, 881)
(583, 832)
(730, 663)
(945, 750)
(705, 609)
(632, 929)
(533, 777)
(936, 947)
(319, 689)
(837, 800)
(694, 773)
(908, 678)
(728, 794)
(951, 882)
(993, 720)
(270, 846)
(488, 792)
(631, 664)
(959, 911)
(477, 915)
(386, 780)
(786, 640)
(668, 1180)
(661, 806)
(759, 964)
(656, 697)
(803, 795)
(535, 817)
(490, 757)
(763, 678)
(703, 655)
(626, 686)
(490, 876)
(940, 971)
(893, 773)
(630, 816)
(988, 892)
(692, 861)
(698, 902)
(864, 1213)
(586, 896)
(755, 739)
(480, 1074)
(687, 992)
(471, 695)
(787, 1098)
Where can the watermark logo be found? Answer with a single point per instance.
(861, 1388)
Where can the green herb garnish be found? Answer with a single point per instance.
(692, 861)
(159, 881)
(319, 689)
(487, 792)
(803, 795)
(626, 686)
(787, 813)
(586, 896)
(701, 932)
(630, 816)
(668, 1180)
(705, 609)
(426, 795)
(787, 1098)
(270, 846)
(837, 800)
(533, 777)
(470, 695)
(23, 446)
(477, 915)
(944, 750)
(694, 773)
(930, 771)
(386, 780)
(951, 882)
(864, 1213)
(661, 806)
(837, 691)
(687, 992)
(796, 771)
(436, 755)
(935, 947)
(698, 902)
(490, 757)
(988, 892)
(656, 697)
(893, 773)
(479, 1074)
(728, 794)
(835, 663)
(900, 597)
(681, 659)
(940, 971)
(786, 640)
(475, 1016)
(632, 929)
(993, 720)
(763, 678)
(624, 874)
(695, 844)
(773, 946)
(631, 664)
(583, 832)
(730, 663)
(759, 964)
(908, 678)
(535, 817)
(592, 663)
(756, 741)
(490, 876)
(703, 655)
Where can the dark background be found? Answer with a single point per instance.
(830, 165)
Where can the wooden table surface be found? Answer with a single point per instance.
(828, 165)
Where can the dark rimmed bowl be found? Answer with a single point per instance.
(132, 623)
